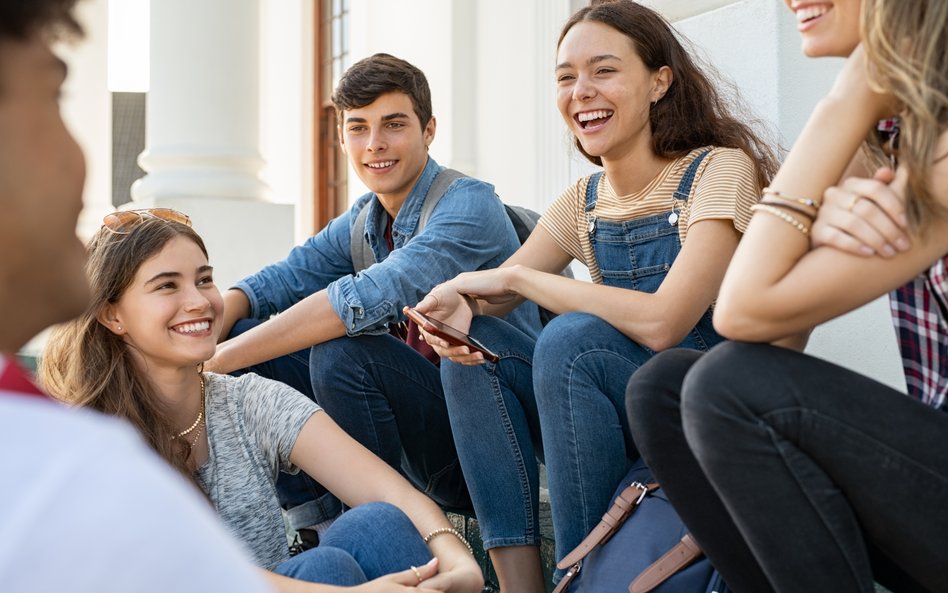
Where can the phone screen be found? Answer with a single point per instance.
(448, 333)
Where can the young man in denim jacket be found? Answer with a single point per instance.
(340, 336)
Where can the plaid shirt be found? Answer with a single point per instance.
(920, 314)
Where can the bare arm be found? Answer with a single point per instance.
(308, 322)
(658, 320)
(776, 286)
(356, 476)
(236, 307)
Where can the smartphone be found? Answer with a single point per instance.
(448, 333)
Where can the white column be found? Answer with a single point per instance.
(202, 150)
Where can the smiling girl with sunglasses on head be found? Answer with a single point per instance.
(794, 474)
(137, 353)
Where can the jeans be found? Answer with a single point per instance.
(794, 474)
(388, 397)
(384, 395)
(569, 387)
(361, 546)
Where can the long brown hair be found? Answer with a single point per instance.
(693, 113)
(85, 364)
(906, 43)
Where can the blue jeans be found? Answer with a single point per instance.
(384, 395)
(569, 387)
(795, 474)
(367, 542)
(388, 397)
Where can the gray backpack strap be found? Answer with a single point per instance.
(359, 249)
(439, 186)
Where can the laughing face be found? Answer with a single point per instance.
(604, 90)
(827, 28)
(387, 146)
(170, 313)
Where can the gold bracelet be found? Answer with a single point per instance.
(804, 201)
(782, 216)
(453, 532)
(780, 203)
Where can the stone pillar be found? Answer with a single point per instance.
(202, 152)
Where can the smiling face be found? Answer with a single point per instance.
(387, 146)
(827, 28)
(42, 173)
(170, 313)
(605, 91)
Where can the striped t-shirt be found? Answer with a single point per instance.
(725, 187)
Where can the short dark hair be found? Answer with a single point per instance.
(369, 78)
(20, 19)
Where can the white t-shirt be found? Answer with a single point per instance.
(85, 506)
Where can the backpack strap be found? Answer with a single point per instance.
(439, 187)
(625, 504)
(684, 553)
(359, 248)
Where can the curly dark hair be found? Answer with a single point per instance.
(693, 113)
(369, 78)
(20, 19)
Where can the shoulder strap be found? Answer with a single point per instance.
(438, 188)
(592, 190)
(684, 553)
(359, 249)
(625, 503)
(684, 186)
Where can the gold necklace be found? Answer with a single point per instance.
(196, 420)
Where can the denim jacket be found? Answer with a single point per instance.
(468, 230)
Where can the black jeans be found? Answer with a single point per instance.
(795, 474)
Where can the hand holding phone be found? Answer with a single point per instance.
(447, 333)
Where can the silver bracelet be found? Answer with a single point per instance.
(453, 532)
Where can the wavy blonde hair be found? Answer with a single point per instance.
(85, 364)
(906, 43)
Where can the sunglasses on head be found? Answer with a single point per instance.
(125, 221)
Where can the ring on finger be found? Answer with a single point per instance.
(417, 572)
(852, 203)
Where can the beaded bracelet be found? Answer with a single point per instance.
(804, 201)
(453, 532)
(782, 216)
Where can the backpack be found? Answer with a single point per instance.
(640, 546)
(524, 220)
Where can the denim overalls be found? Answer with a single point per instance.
(638, 253)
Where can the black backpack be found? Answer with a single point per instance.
(523, 219)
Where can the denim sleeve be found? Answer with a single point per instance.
(468, 230)
(308, 268)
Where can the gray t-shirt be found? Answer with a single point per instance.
(252, 425)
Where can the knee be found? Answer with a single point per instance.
(652, 396)
(328, 359)
(560, 341)
(722, 384)
(324, 564)
(374, 517)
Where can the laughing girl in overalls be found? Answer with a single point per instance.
(656, 229)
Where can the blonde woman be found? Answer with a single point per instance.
(795, 474)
